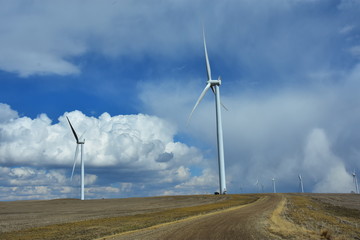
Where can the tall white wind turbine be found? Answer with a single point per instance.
(215, 87)
(301, 183)
(81, 143)
(355, 182)
(274, 186)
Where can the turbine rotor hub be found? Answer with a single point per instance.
(214, 82)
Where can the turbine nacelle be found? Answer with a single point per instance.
(214, 82)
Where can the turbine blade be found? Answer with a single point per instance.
(199, 100)
(224, 106)
(75, 158)
(73, 130)
(208, 70)
(220, 100)
(82, 135)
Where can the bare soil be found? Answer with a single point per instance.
(244, 222)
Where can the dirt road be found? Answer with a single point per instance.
(244, 222)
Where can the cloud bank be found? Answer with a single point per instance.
(128, 155)
(46, 38)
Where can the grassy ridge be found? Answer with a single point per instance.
(301, 217)
(97, 228)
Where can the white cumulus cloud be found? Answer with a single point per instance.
(323, 166)
(118, 150)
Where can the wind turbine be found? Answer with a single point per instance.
(258, 185)
(301, 183)
(215, 87)
(81, 143)
(274, 187)
(355, 182)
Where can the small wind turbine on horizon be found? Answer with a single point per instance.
(274, 187)
(81, 143)
(215, 87)
(301, 184)
(355, 182)
(257, 184)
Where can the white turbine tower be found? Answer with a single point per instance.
(274, 187)
(215, 87)
(301, 183)
(257, 184)
(81, 143)
(355, 182)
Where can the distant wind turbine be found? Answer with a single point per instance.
(81, 143)
(274, 187)
(355, 182)
(215, 87)
(301, 183)
(258, 185)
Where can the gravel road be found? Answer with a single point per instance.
(244, 222)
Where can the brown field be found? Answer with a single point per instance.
(248, 216)
(19, 215)
(89, 219)
(316, 216)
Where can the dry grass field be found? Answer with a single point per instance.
(277, 216)
(75, 219)
(20, 215)
(316, 216)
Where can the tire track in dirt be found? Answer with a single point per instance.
(243, 222)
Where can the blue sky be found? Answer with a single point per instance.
(130, 72)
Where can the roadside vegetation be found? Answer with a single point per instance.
(305, 217)
(100, 228)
